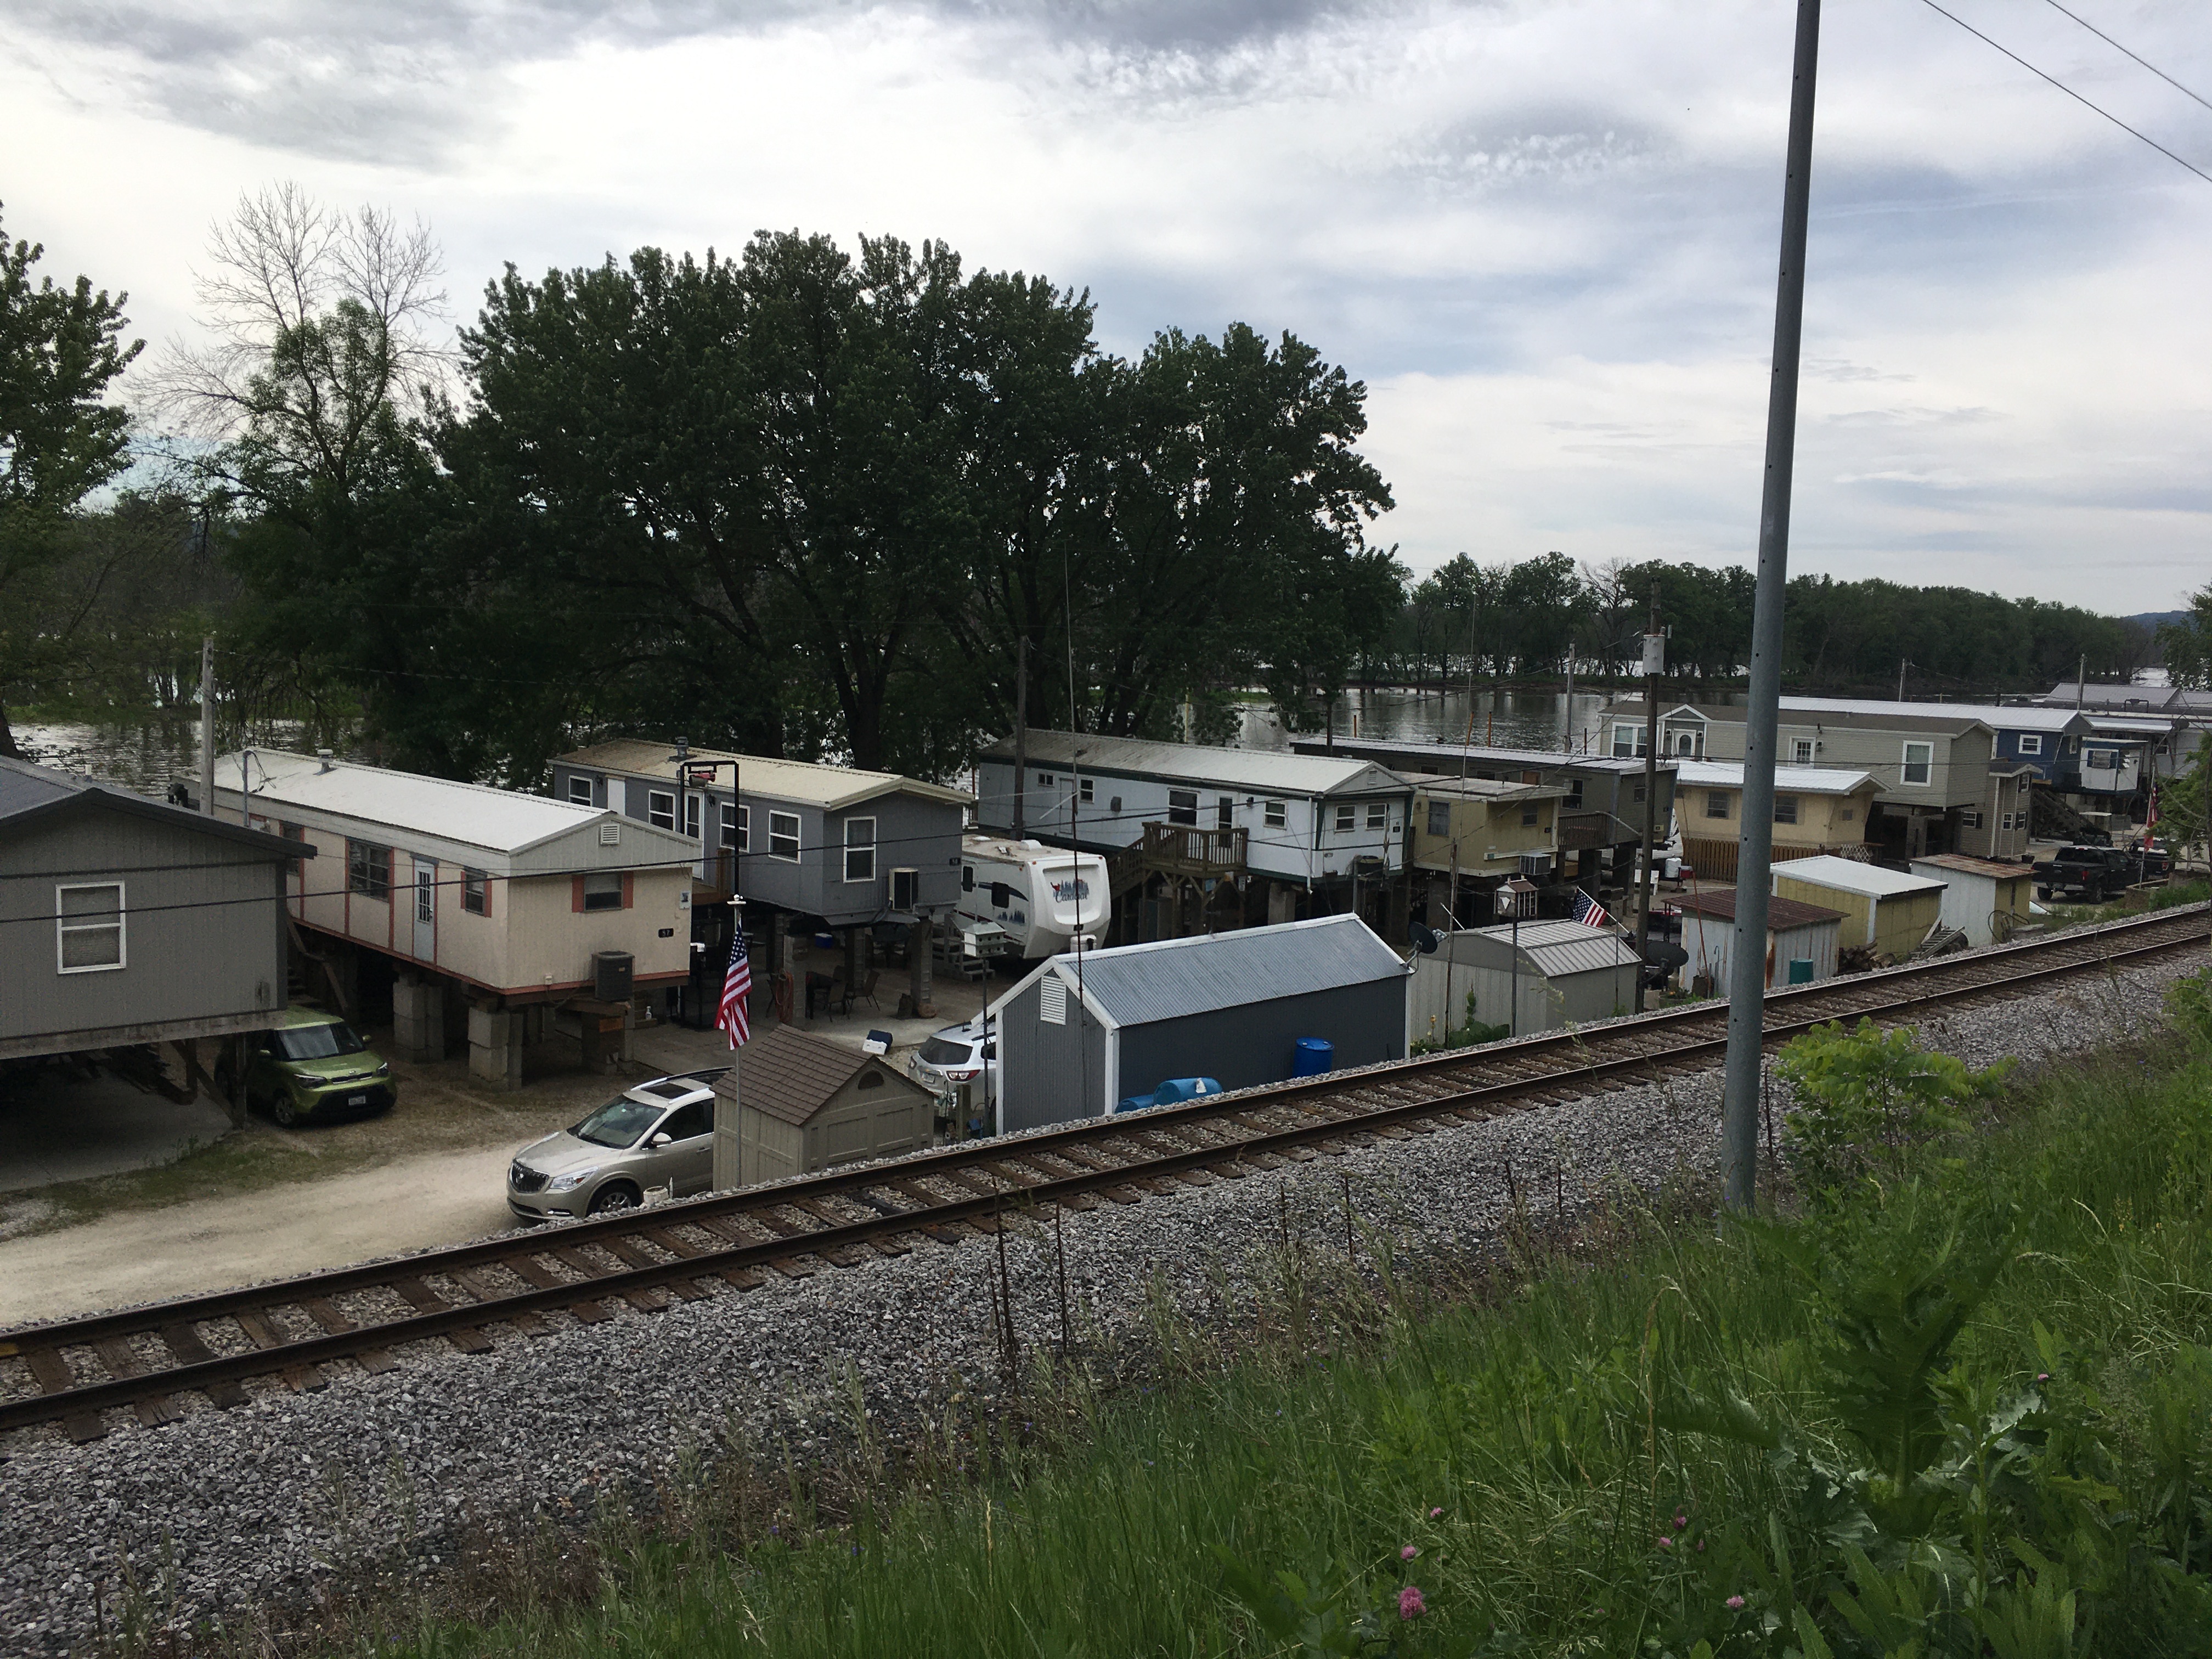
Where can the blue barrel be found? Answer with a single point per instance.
(1801, 971)
(1313, 1057)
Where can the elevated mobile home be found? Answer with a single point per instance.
(1817, 809)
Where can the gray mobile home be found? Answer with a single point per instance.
(123, 920)
(1076, 1037)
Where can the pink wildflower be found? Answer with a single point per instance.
(1410, 1605)
(1408, 1552)
(1436, 1511)
(1665, 1542)
(1680, 1522)
(1735, 1604)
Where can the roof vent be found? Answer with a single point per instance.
(323, 755)
(611, 834)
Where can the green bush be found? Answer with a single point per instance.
(1868, 1100)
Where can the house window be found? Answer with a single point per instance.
(1919, 762)
(860, 849)
(660, 809)
(1639, 795)
(1801, 752)
(2031, 743)
(1182, 806)
(1785, 809)
(2097, 760)
(89, 927)
(426, 893)
(1378, 814)
(691, 806)
(1440, 818)
(580, 790)
(1717, 803)
(1574, 792)
(475, 893)
(1084, 790)
(1627, 741)
(1970, 818)
(783, 836)
(1275, 817)
(1044, 780)
(1346, 820)
(1849, 815)
(1529, 816)
(1685, 743)
(368, 870)
(737, 826)
(603, 890)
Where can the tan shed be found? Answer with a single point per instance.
(797, 1104)
(1886, 909)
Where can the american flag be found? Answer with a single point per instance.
(1589, 911)
(737, 990)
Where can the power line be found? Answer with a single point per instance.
(2118, 47)
(2069, 92)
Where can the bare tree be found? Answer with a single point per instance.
(324, 332)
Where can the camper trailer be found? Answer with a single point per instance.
(1043, 896)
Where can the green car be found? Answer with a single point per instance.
(315, 1066)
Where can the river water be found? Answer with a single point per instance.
(146, 755)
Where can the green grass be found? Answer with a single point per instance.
(1534, 1415)
(2175, 892)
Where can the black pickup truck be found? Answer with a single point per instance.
(2090, 875)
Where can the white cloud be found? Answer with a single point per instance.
(1543, 233)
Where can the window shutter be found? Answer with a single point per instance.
(1052, 1000)
(627, 879)
(575, 892)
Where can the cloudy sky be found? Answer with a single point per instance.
(1543, 232)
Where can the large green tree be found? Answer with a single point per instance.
(61, 348)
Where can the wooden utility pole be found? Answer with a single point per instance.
(1655, 668)
(207, 728)
(1902, 664)
(1021, 727)
(1747, 1031)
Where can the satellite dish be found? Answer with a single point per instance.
(1426, 940)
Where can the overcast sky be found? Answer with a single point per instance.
(1544, 234)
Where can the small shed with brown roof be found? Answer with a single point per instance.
(798, 1102)
(1795, 932)
(1988, 900)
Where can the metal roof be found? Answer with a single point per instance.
(2010, 717)
(1483, 788)
(467, 814)
(1989, 869)
(833, 788)
(1171, 978)
(1720, 902)
(1884, 716)
(1422, 754)
(1850, 876)
(1791, 780)
(1558, 949)
(29, 792)
(1261, 770)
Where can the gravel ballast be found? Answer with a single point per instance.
(228, 1508)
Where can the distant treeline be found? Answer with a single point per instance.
(1536, 618)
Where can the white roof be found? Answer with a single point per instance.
(437, 809)
(2007, 716)
(1789, 780)
(1261, 770)
(1850, 876)
(830, 787)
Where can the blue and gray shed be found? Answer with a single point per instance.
(1075, 1037)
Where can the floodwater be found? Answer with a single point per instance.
(146, 755)
(1505, 718)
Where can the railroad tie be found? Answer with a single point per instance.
(154, 1409)
(589, 1310)
(374, 1361)
(185, 1342)
(657, 1295)
(420, 1298)
(54, 1376)
(299, 1376)
(475, 1281)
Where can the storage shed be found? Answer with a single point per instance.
(794, 1102)
(1568, 974)
(1983, 898)
(1887, 910)
(1795, 932)
(1077, 1036)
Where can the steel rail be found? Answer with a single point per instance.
(2178, 928)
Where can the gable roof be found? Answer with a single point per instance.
(463, 815)
(30, 793)
(790, 1074)
(1787, 779)
(1949, 718)
(1720, 903)
(1260, 770)
(1170, 978)
(1850, 876)
(1557, 947)
(1961, 864)
(833, 788)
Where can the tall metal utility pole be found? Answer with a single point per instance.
(1903, 663)
(1654, 669)
(1762, 718)
(1021, 728)
(207, 728)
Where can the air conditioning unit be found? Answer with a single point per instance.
(611, 975)
(906, 889)
(1535, 865)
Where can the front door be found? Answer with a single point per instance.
(426, 909)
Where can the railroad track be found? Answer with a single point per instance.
(140, 1364)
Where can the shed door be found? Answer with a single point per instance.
(426, 909)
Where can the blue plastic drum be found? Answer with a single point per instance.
(1314, 1057)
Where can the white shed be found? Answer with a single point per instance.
(1795, 932)
(1567, 974)
(1983, 898)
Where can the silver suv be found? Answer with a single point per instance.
(659, 1134)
